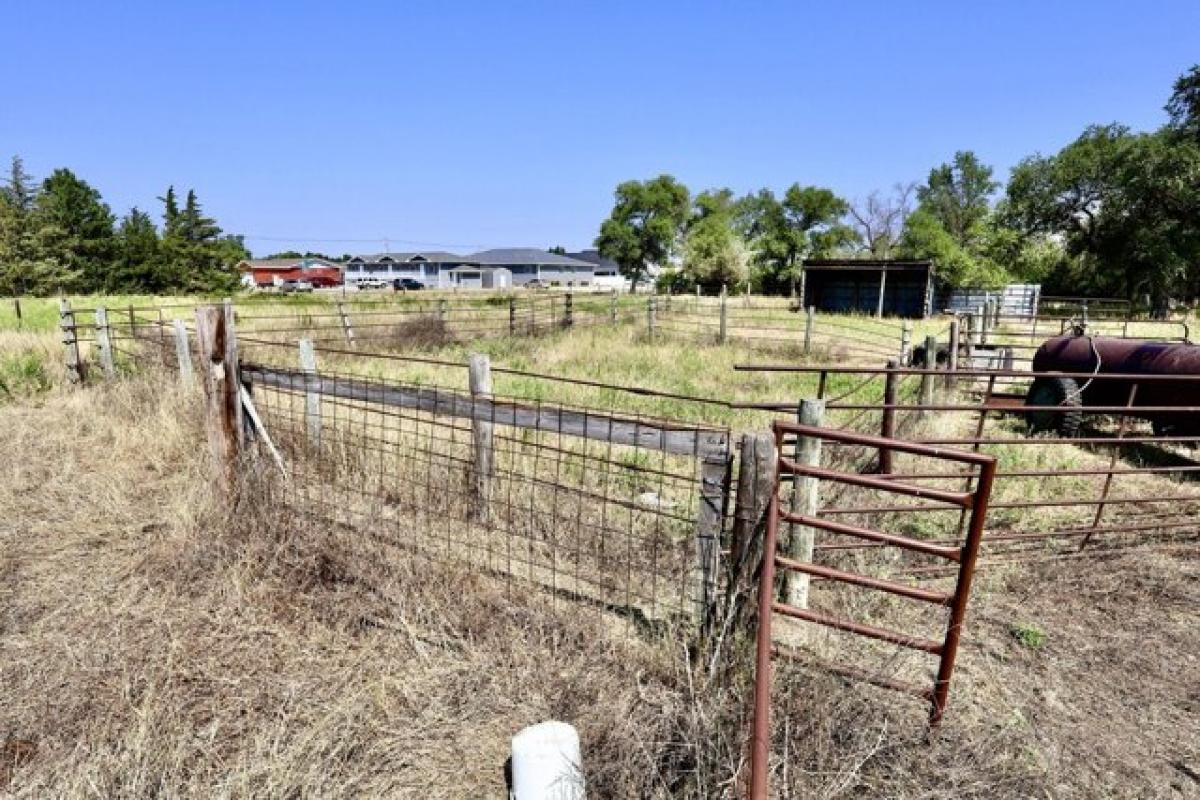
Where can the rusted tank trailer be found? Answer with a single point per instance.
(1107, 356)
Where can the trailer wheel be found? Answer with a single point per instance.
(1055, 392)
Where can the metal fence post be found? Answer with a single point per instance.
(483, 466)
(805, 492)
(104, 343)
(810, 315)
(722, 333)
(312, 398)
(70, 340)
(952, 362)
(183, 354)
(888, 427)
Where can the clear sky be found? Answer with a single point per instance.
(461, 125)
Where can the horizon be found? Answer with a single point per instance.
(317, 129)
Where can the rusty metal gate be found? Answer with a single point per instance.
(972, 504)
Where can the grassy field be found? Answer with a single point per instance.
(159, 643)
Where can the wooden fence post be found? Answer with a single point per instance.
(104, 344)
(312, 398)
(888, 428)
(441, 313)
(223, 407)
(162, 335)
(651, 314)
(70, 340)
(810, 315)
(183, 354)
(756, 481)
(512, 316)
(17, 311)
(569, 309)
(906, 332)
(805, 495)
(952, 362)
(612, 307)
(723, 332)
(483, 466)
(347, 324)
(927, 380)
(710, 514)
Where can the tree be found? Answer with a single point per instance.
(196, 257)
(1183, 109)
(74, 228)
(957, 194)
(878, 221)
(558, 249)
(713, 252)
(805, 224)
(138, 266)
(23, 269)
(644, 227)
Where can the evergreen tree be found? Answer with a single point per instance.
(138, 265)
(74, 228)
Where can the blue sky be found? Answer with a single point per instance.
(489, 124)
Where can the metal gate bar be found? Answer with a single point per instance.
(974, 502)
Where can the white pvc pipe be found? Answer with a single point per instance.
(546, 763)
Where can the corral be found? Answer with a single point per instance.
(605, 478)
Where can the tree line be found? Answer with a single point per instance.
(1115, 213)
(60, 236)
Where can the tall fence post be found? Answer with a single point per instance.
(906, 332)
(312, 398)
(347, 325)
(952, 361)
(70, 340)
(569, 309)
(183, 354)
(612, 307)
(223, 402)
(481, 433)
(888, 427)
(722, 333)
(651, 313)
(512, 316)
(17, 311)
(805, 496)
(710, 512)
(928, 379)
(810, 315)
(104, 343)
(756, 482)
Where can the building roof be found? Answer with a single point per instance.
(285, 263)
(478, 268)
(593, 257)
(432, 256)
(867, 263)
(503, 256)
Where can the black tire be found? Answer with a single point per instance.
(1055, 392)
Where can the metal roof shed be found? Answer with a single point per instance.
(879, 286)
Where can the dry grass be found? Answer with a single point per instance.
(156, 643)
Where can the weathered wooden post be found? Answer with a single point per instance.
(723, 331)
(223, 407)
(312, 398)
(512, 316)
(70, 340)
(928, 379)
(347, 325)
(756, 481)
(104, 344)
(612, 307)
(183, 354)
(805, 495)
(710, 512)
(651, 314)
(955, 343)
(906, 332)
(888, 427)
(810, 316)
(569, 309)
(482, 418)
(17, 311)
(162, 335)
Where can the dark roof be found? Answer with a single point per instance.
(504, 256)
(432, 256)
(594, 257)
(867, 263)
